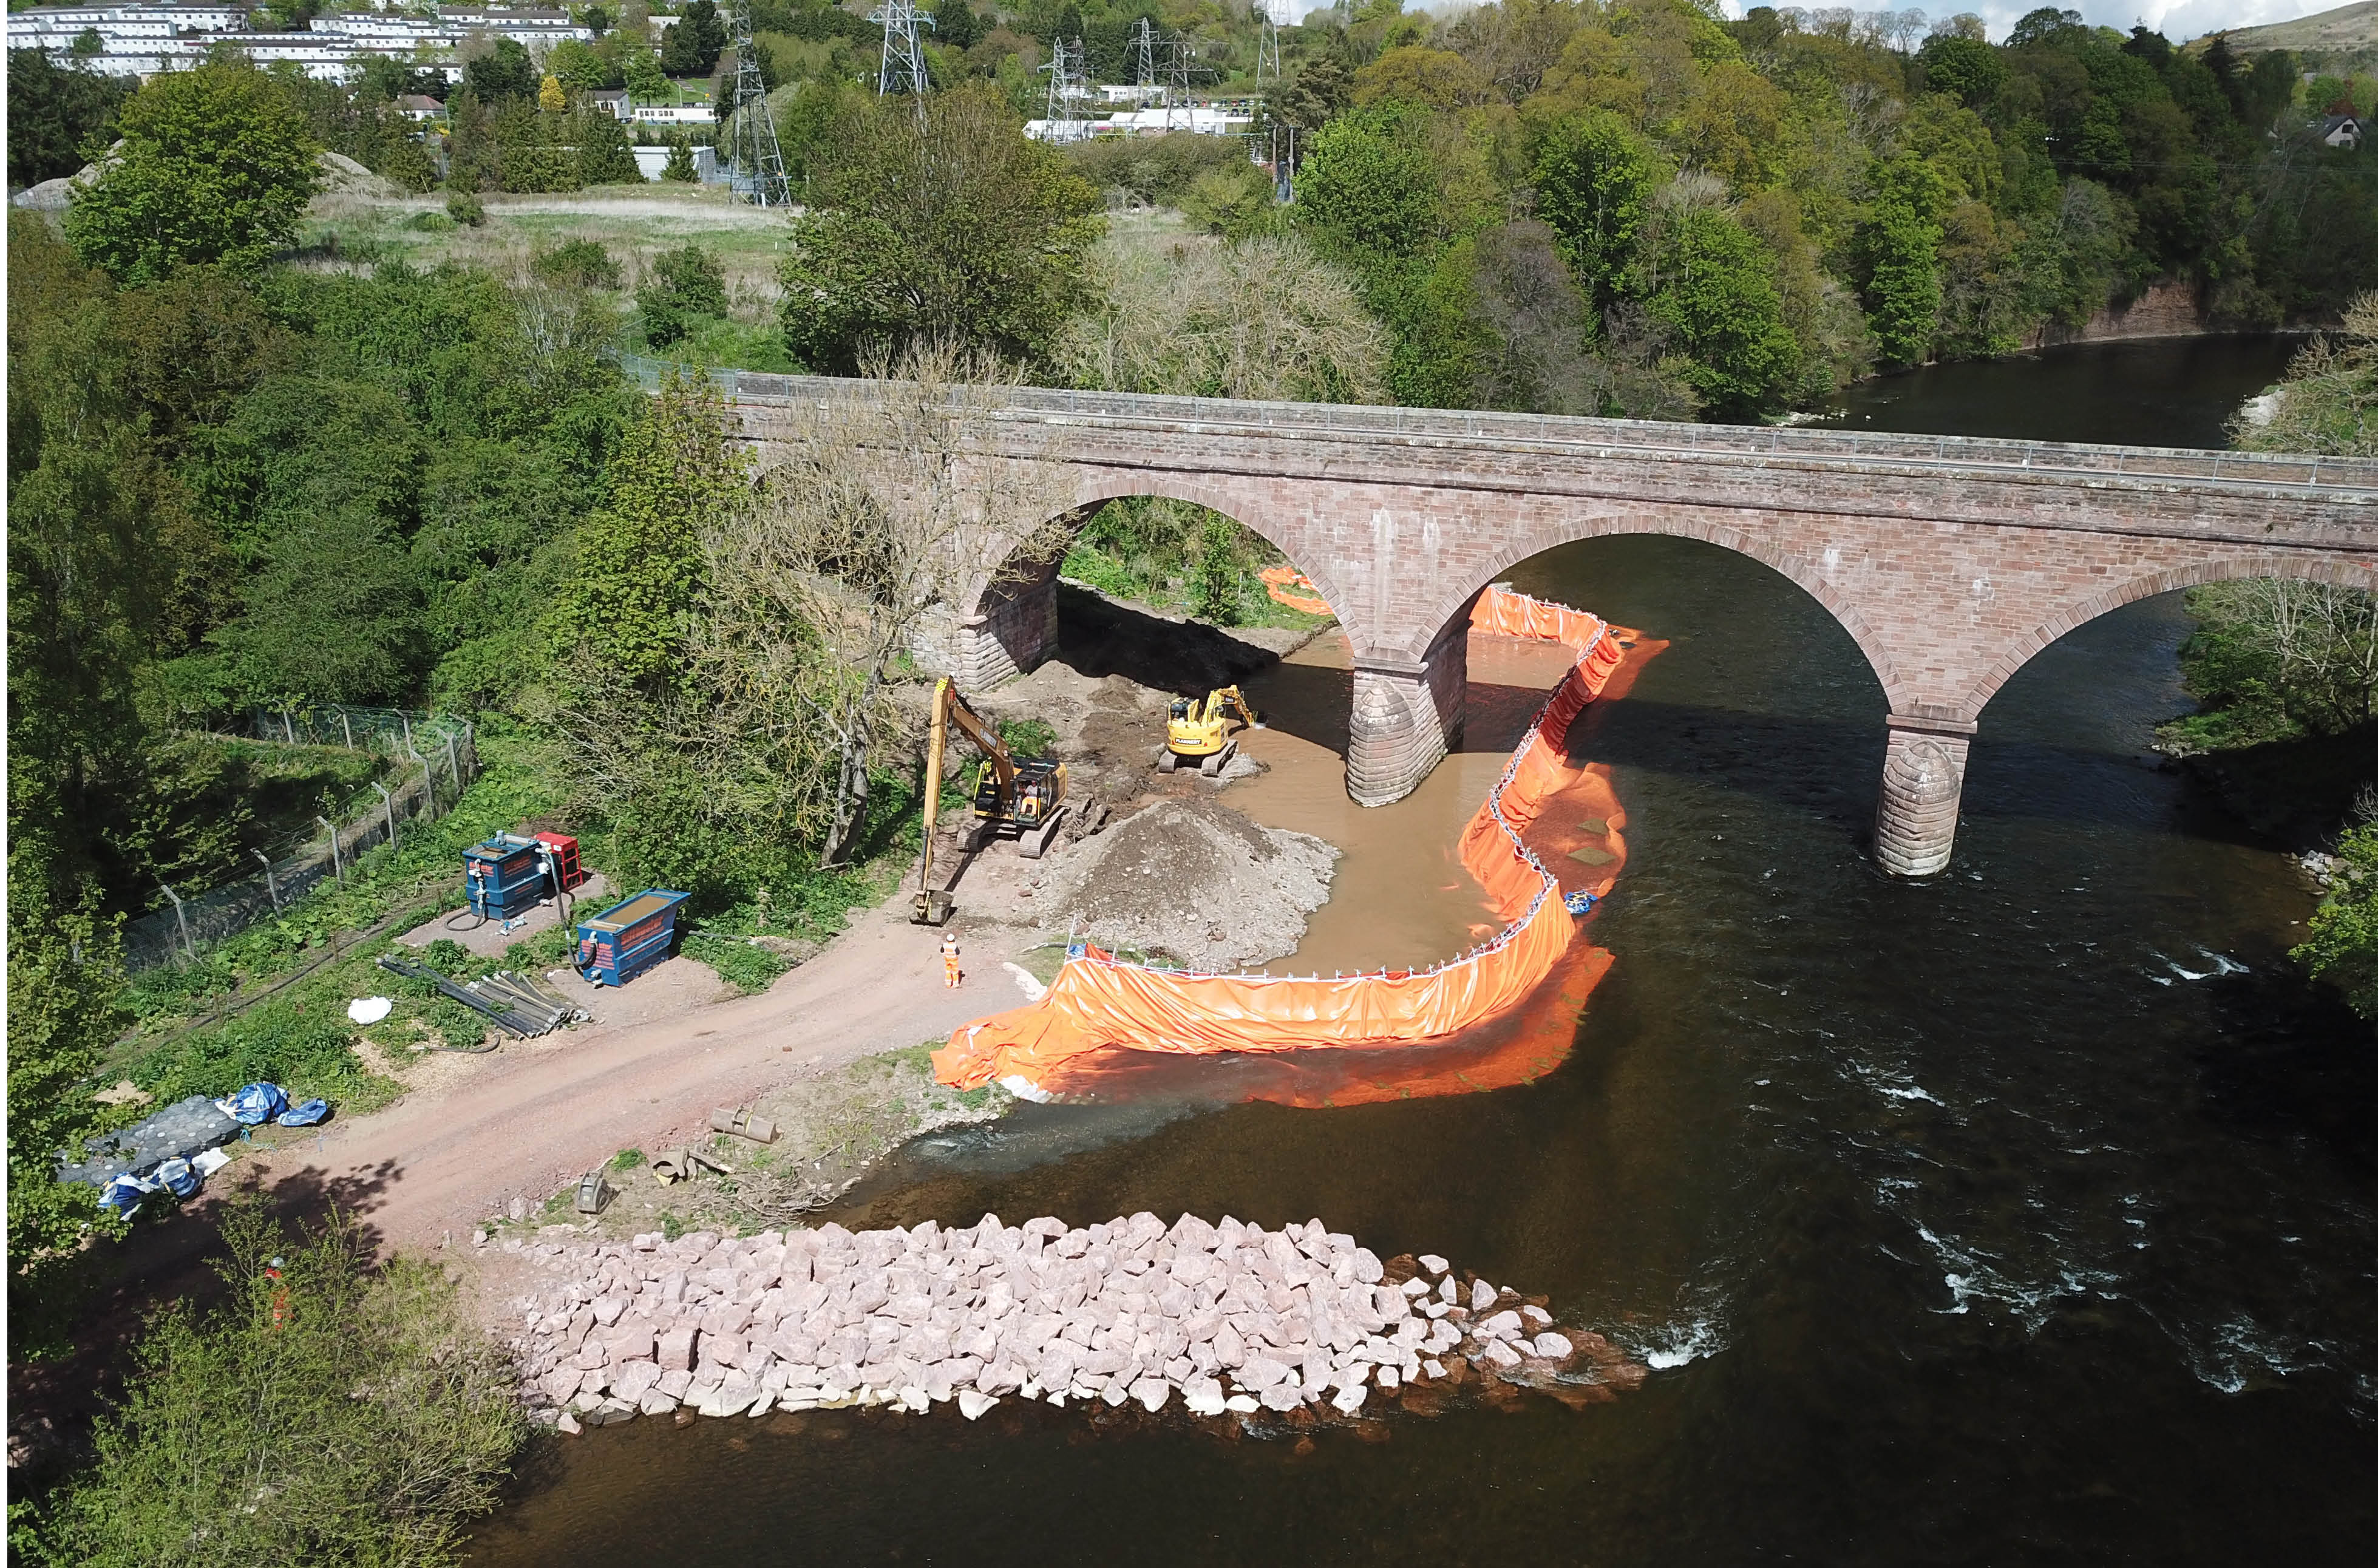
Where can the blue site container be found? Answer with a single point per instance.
(627, 938)
(506, 875)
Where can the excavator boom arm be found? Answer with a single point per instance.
(986, 740)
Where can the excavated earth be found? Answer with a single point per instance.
(1193, 882)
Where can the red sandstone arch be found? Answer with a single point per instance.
(2147, 585)
(1801, 572)
(1099, 488)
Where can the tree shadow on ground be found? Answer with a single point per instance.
(1100, 637)
(164, 1263)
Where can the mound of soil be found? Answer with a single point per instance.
(342, 176)
(1192, 882)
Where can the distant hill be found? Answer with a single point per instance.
(2348, 35)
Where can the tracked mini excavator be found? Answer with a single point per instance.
(1198, 735)
(1022, 796)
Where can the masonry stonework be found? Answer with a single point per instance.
(1949, 562)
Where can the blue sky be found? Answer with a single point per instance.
(2177, 19)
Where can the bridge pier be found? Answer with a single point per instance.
(1923, 780)
(1407, 716)
(1013, 633)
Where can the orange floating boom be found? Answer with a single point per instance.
(1099, 1000)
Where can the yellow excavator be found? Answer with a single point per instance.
(1198, 734)
(1022, 796)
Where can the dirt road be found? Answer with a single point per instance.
(526, 1119)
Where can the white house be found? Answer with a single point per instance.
(137, 40)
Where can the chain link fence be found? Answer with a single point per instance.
(441, 757)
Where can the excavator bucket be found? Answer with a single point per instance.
(933, 907)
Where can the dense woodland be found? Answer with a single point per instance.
(244, 473)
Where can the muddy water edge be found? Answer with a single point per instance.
(2028, 1214)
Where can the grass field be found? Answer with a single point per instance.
(634, 222)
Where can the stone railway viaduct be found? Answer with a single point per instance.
(1949, 561)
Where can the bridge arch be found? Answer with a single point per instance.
(1454, 602)
(2343, 573)
(1250, 511)
(1007, 619)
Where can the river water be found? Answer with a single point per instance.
(2027, 1213)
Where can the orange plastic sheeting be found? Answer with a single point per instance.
(1278, 582)
(1500, 1053)
(1097, 1001)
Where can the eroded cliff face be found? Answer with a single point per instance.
(2168, 309)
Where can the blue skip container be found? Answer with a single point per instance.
(627, 938)
(505, 877)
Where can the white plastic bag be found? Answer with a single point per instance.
(369, 1009)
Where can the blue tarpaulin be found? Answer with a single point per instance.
(123, 1193)
(306, 1115)
(177, 1178)
(255, 1105)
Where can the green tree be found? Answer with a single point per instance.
(55, 113)
(62, 1015)
(1713, 284)
(1368, 186)
(1901, 245)
(216, 166)
(680, 167)
(325, 1412)
(1967, 68)
(691, 45)
(504, 71)
(640, 70)
(606, 156)
(936, 220)
(1594, 178)
(640, 561)
(956, 26)
(2342, 946)
(576, 65)
(1217, 589)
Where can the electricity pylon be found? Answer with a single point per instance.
(1267, 50)
(1144, 43)
(1180, 62)
(755, 161)
(903, 69)
(1067, 88)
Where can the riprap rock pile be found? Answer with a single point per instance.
(1230, 1317)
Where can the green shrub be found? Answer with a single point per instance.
(578, 264)
(685, 283)
(304, 1046)
(330, 1415)
(464, 208)
(1027, 738)
(2343, 945)
(747, 968)
(431, 223)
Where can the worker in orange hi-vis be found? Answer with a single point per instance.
(950, 962)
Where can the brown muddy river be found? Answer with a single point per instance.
(2024, 1214)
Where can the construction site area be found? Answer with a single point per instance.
(1082, 817)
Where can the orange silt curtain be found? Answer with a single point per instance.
(1099, 1000)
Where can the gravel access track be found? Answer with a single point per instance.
(524, 1121)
